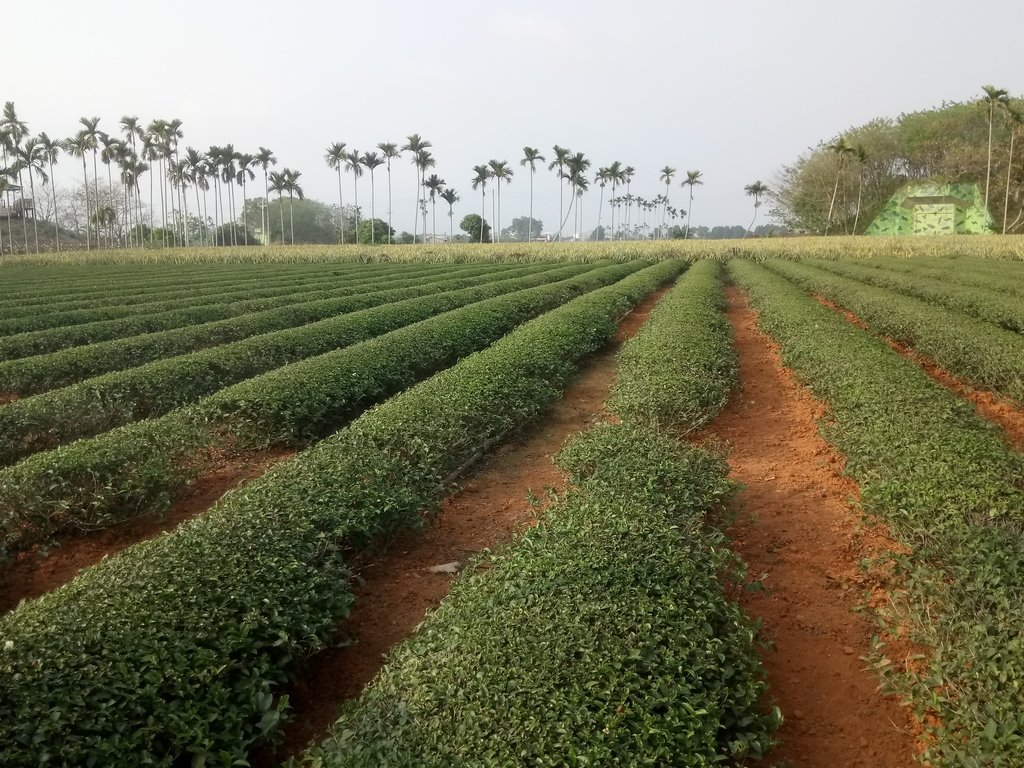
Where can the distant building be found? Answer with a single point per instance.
(930, 208)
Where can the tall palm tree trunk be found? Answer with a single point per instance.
(341, 207)
(988, 170)
(831, 206)
(85, 174)
(529, 227)
(291, 214)
(56, 218)
(1009, 167)
(373, 213)
(483, 210)
(389, 201)
(245, 223)
(35, 223)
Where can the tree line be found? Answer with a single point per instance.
(841, 185)
(153, 189)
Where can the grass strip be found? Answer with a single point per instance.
(172, 649)
(949, 489)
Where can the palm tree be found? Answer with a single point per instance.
(756, 191)
(601, 178)
(842, 149)
(229, 172)
(667, 173)
(292, 185)
(336, 157)
(435, 185)
(33, 158)
(151, 153)
(415, 144)
(16, 131)
(576, 176)
(530, 157)
(862, 157)
(157, 148)
(114, 151)
(194, 166)
(501, 171)
(561, 155)
(627, 177)
(451, 197)
(352, 163)
(278, 183)
(693, 179)
(372, 161)
(423, 160)
(265, 158)
(245, 174)
(92, 131)
(1016, 118)
(390, 152)
(78, 146)
(994, 98)
(50, 150)
(616, 176)
(483, 173)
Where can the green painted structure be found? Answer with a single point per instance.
(930, 208)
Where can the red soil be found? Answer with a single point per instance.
(8, 397)
(42, 569)
(395, 590)
(801, 537)
(987, 404)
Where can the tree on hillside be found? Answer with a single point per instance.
(756, 190)
(841, 150)
(531, 156)
(994, 98)
(477, 228)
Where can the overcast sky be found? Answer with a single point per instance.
(734, 88)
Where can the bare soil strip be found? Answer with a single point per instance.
(44, 568)
(396, 589)
(988, 404)
(8, 397)
(801, 537)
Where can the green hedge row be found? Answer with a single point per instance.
(679, 370)
(600, 637)
(39, 373)
(172, 649)
(57, 284)
(53, 339)
(138, 469)
(949, 489)
(973, 272)
(26, 316)
(1004, 310)
(972, 349)
(99, 404)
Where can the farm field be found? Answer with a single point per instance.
(691, 504)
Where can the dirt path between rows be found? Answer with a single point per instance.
(44, 568)
(800, 536)
(987, 404)
(397, 588)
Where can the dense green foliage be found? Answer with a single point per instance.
(600, 637)
(976, 350)
(139, 468)
(679, 370)
(949, 143)
(1004, 310)
(40, 373)
(173, 647)
(949, 489)
(98, 404)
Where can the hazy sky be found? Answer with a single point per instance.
(734, 88)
